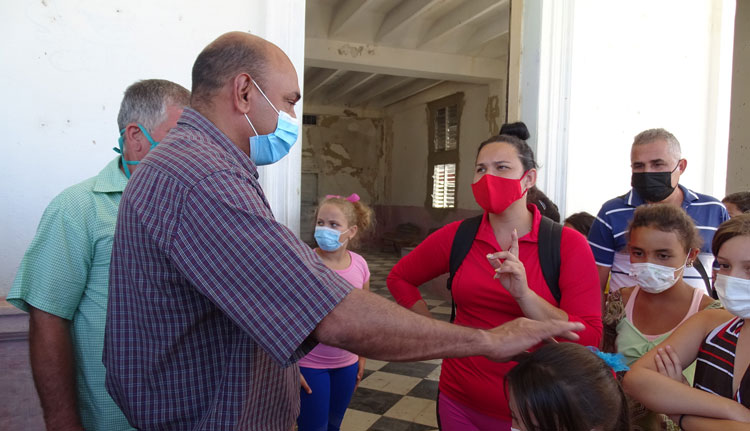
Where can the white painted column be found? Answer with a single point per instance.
(539, 85)
(284, 25)
(553, 103)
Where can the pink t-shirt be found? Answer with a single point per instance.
(323, 356)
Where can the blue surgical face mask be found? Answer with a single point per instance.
(121, 150)
(328, 238)
(267, 149)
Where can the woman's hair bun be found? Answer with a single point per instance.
(519, 130)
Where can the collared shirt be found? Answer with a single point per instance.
(65, 272)
(212, 301)
(607, 236)
(482, 301)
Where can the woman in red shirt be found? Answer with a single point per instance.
(499, 280)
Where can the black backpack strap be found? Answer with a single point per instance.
(460, 247)
(550, 237)
(698, 265)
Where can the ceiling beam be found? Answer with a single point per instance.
(346, 15)
(402, 15)
(340, 110)
(355, 81)
(486, 33)
(408, 90)
(459, 18)
(383, 85)
(320, 79)
(402, 62)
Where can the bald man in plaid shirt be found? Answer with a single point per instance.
(212, 300)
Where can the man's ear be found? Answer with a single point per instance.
(242, 88)
(682, 165)
(134, 139)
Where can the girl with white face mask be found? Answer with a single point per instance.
(329, 374)
(662, 241)
(720, 398)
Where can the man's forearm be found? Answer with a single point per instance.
(379, 329)
(371, 326)
(53, 367)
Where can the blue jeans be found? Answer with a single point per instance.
(332, 389)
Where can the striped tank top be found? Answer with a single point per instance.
(714, 371)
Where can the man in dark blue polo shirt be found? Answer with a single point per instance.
(657, 163)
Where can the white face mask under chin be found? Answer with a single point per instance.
(734, 293)
(654, 278)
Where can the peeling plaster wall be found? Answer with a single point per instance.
(348, 154)
(483, 113)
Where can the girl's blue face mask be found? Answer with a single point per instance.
(328, 238)
(267, 149)
(121, 150)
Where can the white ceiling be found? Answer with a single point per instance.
(372, 53)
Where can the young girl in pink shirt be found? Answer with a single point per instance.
(329, 374)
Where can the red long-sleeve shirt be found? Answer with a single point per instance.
(482, 302)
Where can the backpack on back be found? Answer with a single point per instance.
(550, 236)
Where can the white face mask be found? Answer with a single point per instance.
(654, 278)
(734, 293)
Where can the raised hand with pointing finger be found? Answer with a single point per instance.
(511, 273)
(509, 269)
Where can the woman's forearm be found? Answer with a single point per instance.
(535, 307)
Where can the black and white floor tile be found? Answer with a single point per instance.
(396, 396)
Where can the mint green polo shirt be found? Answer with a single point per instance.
(65, 272)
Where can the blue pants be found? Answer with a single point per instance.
(332, 389)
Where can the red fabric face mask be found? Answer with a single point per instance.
(495, 194)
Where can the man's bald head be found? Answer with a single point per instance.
(230, 54)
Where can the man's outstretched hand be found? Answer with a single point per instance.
(516, 336)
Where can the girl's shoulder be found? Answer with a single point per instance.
(715, 316)
(709, 319)
(357, 260)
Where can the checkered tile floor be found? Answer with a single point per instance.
(396, 396)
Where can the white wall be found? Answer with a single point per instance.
(644, 64)
(607, 70)
(65, 67)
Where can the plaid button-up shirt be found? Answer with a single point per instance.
(211, 300)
